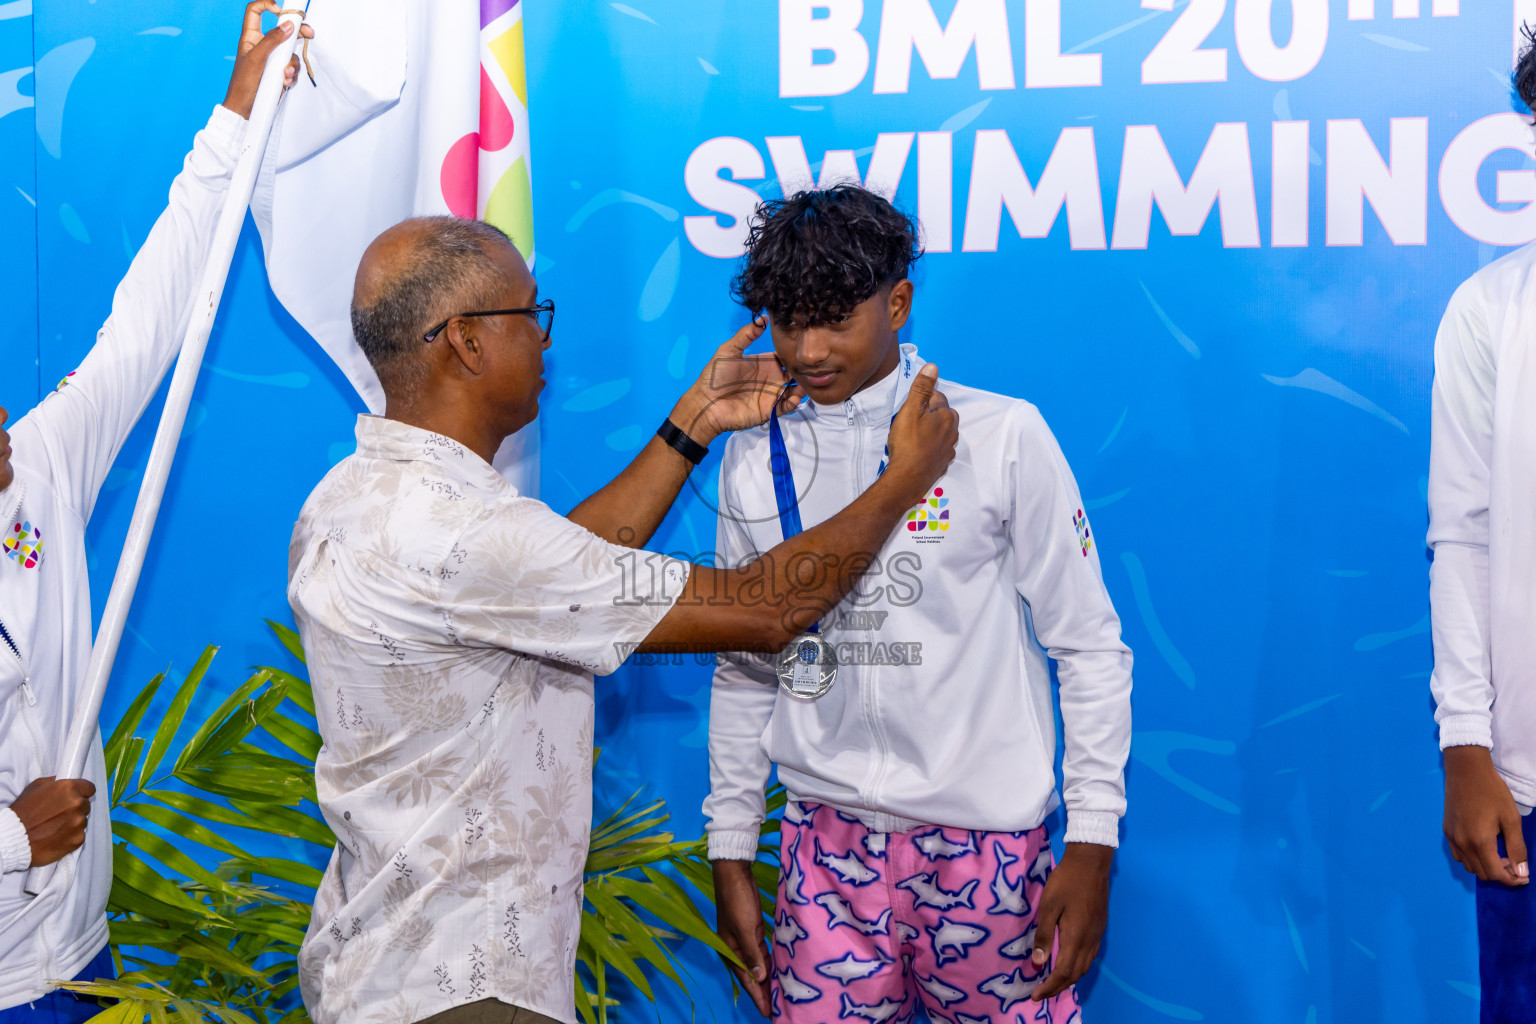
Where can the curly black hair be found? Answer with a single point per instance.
(813, 257)
(1524, 78)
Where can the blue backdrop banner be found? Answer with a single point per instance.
(1210, 239)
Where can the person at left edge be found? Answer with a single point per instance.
(52, 464)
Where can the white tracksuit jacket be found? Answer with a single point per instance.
(1482, 519)
(61, 452)
(942, 711)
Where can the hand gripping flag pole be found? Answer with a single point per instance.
(83, 727)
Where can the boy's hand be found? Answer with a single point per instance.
(1478, 807)
(739, 922)
(252, 53)
(736, 390)
(1073, 912)
(54, 813)
(923, 435)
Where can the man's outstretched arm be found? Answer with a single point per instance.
(735, 391)
(765, 603)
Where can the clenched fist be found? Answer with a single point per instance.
(54, 813)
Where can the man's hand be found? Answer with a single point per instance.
(1073, 913)
(736, 390)
(739, 922)
(252, 53)
(923, 434)
(54, 813)
(1478, 807)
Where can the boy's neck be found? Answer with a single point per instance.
(885, 369)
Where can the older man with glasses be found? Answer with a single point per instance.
(453, 628)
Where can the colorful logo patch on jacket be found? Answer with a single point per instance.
(1084, 535)
(931, 515)
(63, 381)
(24, 545)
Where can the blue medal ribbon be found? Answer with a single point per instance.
(784, 476)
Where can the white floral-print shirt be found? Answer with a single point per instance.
(452, 629)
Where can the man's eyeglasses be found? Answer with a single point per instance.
(543, 313)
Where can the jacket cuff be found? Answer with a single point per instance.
(1467, 730)
(733, 844)
(225, 130)
(15, 847)
(1101, 828)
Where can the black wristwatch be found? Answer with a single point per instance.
(686, 446)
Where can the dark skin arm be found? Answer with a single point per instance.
(54, 813)
(766, 603)
(1073, 912)
(735, 391)
(739, 923)
(1478, 809)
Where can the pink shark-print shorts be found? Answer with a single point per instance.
(870, 924)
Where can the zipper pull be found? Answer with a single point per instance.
(26, 691)
(848, 410)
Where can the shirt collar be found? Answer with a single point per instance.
(878, 403)
(379, 437)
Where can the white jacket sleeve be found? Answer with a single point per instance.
(85, 421)
(15, 847)
(1460, 453)
(1056, 565)
(740, 706)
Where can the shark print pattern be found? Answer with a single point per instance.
(926, 892)
(940, 918)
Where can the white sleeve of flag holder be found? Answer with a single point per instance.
(83, 725)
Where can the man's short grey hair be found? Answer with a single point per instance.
(450, 269)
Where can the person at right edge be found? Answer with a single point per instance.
(1482, 595)
(916, 865)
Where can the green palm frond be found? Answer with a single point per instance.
(194, 943)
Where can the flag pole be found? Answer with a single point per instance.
(83, 727)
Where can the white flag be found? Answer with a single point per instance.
(421, 108)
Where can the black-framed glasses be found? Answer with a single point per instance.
(544, 314)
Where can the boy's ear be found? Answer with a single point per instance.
(900, 303)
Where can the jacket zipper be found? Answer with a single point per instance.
(6, 640)
(26, 680)
(869, 696)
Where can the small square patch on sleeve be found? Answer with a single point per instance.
(1084, 534)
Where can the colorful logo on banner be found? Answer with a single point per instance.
(24, 545)
(931, 515)
(485, 173)
(1084, 535)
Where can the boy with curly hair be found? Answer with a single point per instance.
(916, 867)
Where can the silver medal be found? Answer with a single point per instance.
(807, 668)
